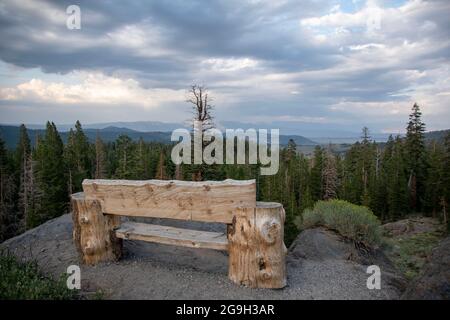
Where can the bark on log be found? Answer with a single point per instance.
(256, 248)
(93, 232)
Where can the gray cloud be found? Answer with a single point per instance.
(274, 59)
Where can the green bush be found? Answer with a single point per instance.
(357, 223)
(24, 281)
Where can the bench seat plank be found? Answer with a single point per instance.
(208, 201)
(172, 236)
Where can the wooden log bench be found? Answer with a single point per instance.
(255, 230)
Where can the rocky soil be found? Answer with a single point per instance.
(420, 250)
(434, 281)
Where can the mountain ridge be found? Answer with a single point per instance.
(11, 133)
(318, 132)
(110, 131)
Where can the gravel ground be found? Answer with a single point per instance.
(320, 265)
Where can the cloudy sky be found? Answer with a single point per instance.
(333, 64)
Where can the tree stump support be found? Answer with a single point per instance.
(93, 232)
(257, 253)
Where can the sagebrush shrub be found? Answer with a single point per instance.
(352, 221)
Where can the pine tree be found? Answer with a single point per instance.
(358, 171)
(352, 175)
(397, 181)
(161, 171)
(24, 146)
(316, 174)
(24, 161)
(8, 217)
(304, 190)
(51, 177)
(291, 150)
(100, 158)
(329, 176)
(34, 194)
(306, 199)
(78, 158)
(435, 189)
(367, 156)
(416, 158)
(380, 204)
(365, 136)
(154, 150)
(445, 201)
(126, 164)
(141, 160)
(69, 155)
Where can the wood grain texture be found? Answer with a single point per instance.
(93, 232)
(172, 236)
(208, 201)
(256, 248)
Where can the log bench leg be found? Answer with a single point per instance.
(257, 254)
(93, 232)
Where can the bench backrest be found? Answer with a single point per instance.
(208, 201)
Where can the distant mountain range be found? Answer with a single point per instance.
(140, 126)
(10, 134)
(318, 132)
(436, 135)
(161, 131)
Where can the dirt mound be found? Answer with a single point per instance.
(318, 267)
(434, 281)
(323, 245)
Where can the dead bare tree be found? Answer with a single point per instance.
(201, 105)
(199, 97)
